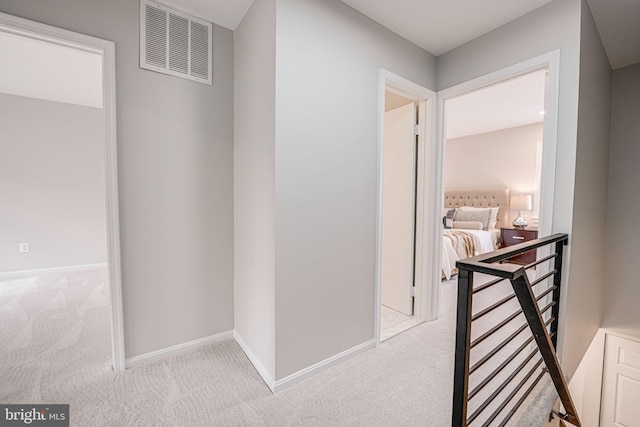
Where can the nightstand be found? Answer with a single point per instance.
(513, 236)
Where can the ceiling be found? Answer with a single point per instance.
(438, 26)
(618, 23)
(226, 13)
(393, 100)
(508, 104)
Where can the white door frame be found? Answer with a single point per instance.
(106, 49)
(425, 191)
(550, 61)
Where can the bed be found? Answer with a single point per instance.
(464, 239)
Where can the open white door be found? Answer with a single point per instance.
(398, 208)
(621, 383)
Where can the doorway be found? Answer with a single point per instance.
(499, 163)
(406, 118)
(54, 44)
(494, 139)
(400, 153)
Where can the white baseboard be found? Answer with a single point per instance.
(175, 350)
(321, 366)
(262, 371)
(38, 271)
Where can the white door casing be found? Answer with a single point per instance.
(426, 226)
(35, 30)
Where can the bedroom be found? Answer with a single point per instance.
(493, 157)
(493, 152)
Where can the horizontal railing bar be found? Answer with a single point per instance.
(545, 293)
(507, 387)
(505, 271)
(488, 285)
(499, 369)
(513, 393)
(501, 387)
(522, 399)
(485, 263)
(511, 251)
(543, 278)
(544, 310)
(492, 307)
(531, 311)
(493, 352)
(540, 261)
(495, 329)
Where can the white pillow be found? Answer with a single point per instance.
(493, 218)
(467, 225)
(481, 215)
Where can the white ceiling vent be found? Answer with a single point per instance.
(174, 43)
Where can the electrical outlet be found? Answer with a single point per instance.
(23, 247)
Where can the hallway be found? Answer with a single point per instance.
(405, 381)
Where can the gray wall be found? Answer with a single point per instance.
(175, 159)
(622, 292)
(254, 180)
(554, 26)
(502, 158)
(586, 274)
(328, 58)
(51, 184)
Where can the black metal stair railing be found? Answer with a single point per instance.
(502, 386)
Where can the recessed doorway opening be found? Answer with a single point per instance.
(406, 117)
(62, 84)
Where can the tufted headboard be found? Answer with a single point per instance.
(481, 198)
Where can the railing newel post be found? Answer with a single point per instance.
(557, 281)
(463, 348)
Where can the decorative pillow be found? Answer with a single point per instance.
(482, 215)
(493, 219)
(467, 225)
(447, 218)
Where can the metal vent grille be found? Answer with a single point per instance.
(199, 50)
(156, 40)
(174, 43)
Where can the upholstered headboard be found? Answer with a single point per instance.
(481, 198)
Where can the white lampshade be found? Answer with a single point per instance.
(521, 202)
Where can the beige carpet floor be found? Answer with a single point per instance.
(55, 348)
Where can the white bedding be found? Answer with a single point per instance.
(486, 241)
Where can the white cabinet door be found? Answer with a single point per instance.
(621, 383)
(398, 207)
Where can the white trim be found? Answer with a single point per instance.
(277, 386)
(176, 350)
(107, 50)
(426, 287)
(431, 248)
(550, 61)
(112, 208)
(262, 371)
(321, 366)
(623, 335)
(48, 270)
